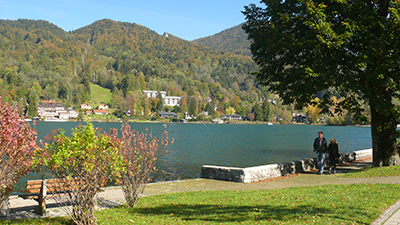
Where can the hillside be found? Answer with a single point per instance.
(232, 40)
(40, 61)
(99, 95)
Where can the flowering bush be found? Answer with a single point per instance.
(140, 151)
(17, 144)
(82, 163)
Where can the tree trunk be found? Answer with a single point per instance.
(383, 131)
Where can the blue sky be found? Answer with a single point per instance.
(187, 19)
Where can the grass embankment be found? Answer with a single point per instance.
(99, 95)
(327, 204)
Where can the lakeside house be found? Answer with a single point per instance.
(169, 115)
(172, 100)
(100, 112)
(232, 117)
(73, 114)
(188, 116)
(102, 106)
(86, 106)
(63, 115)
(52, 110)
(168, 100)
(299, 118)
(218, 121)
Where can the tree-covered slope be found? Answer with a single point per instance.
(232, 40)
(41, 61)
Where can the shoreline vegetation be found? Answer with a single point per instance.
(344, 202)
(208, 122)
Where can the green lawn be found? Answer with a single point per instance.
(99, 95)
(328, 204)
(374, 172)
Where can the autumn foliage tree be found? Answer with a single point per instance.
(17, 145)
(140, 152)
(250, 116)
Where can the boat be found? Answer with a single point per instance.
(270, 124)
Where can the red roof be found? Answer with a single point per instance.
(100, 111)
(49, 102)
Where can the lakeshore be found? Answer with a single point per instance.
(113, 196)
(230, 145)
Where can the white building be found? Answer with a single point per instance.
(63, 115)
(153, 94)
(73, 114)
(168, 100)
(235, 117)
(172, 100)
(49, 110)
(86, 106)
(102, 107)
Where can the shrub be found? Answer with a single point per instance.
(17, 144)
(86, 158)
(140, 151)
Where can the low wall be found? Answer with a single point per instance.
(256, 173)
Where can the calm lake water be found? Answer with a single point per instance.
(233, 145)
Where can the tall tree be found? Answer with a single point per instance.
(266, 108)
(258, 112)
(131, 104)
(160, 103)
(345, 47)
(193, 106)
(32, 104)
(146, 106)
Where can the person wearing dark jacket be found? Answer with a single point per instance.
(320, 147)
(333, 151)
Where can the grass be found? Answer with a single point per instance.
(327, 204)
(374, 172)
(99, 95)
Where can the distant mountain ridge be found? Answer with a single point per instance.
(233, 40)
(30, 25)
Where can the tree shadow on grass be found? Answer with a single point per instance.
(221, 213)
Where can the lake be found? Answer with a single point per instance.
(236, 145)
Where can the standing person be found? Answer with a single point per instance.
(333, 151)
(320, 147)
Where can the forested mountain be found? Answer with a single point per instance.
(41, 61)
(232, 40)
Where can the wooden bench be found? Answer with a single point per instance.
(38, 190)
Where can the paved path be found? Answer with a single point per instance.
(113, 196)
(391, 216)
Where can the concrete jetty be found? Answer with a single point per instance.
(256, 173)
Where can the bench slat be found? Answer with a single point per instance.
(34, 182)
(53, 185)
(33, 186)
(33, 191)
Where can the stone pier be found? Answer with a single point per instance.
(256, 173)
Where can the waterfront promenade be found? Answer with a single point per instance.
(113, 196)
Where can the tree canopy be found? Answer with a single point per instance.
(340, 47)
